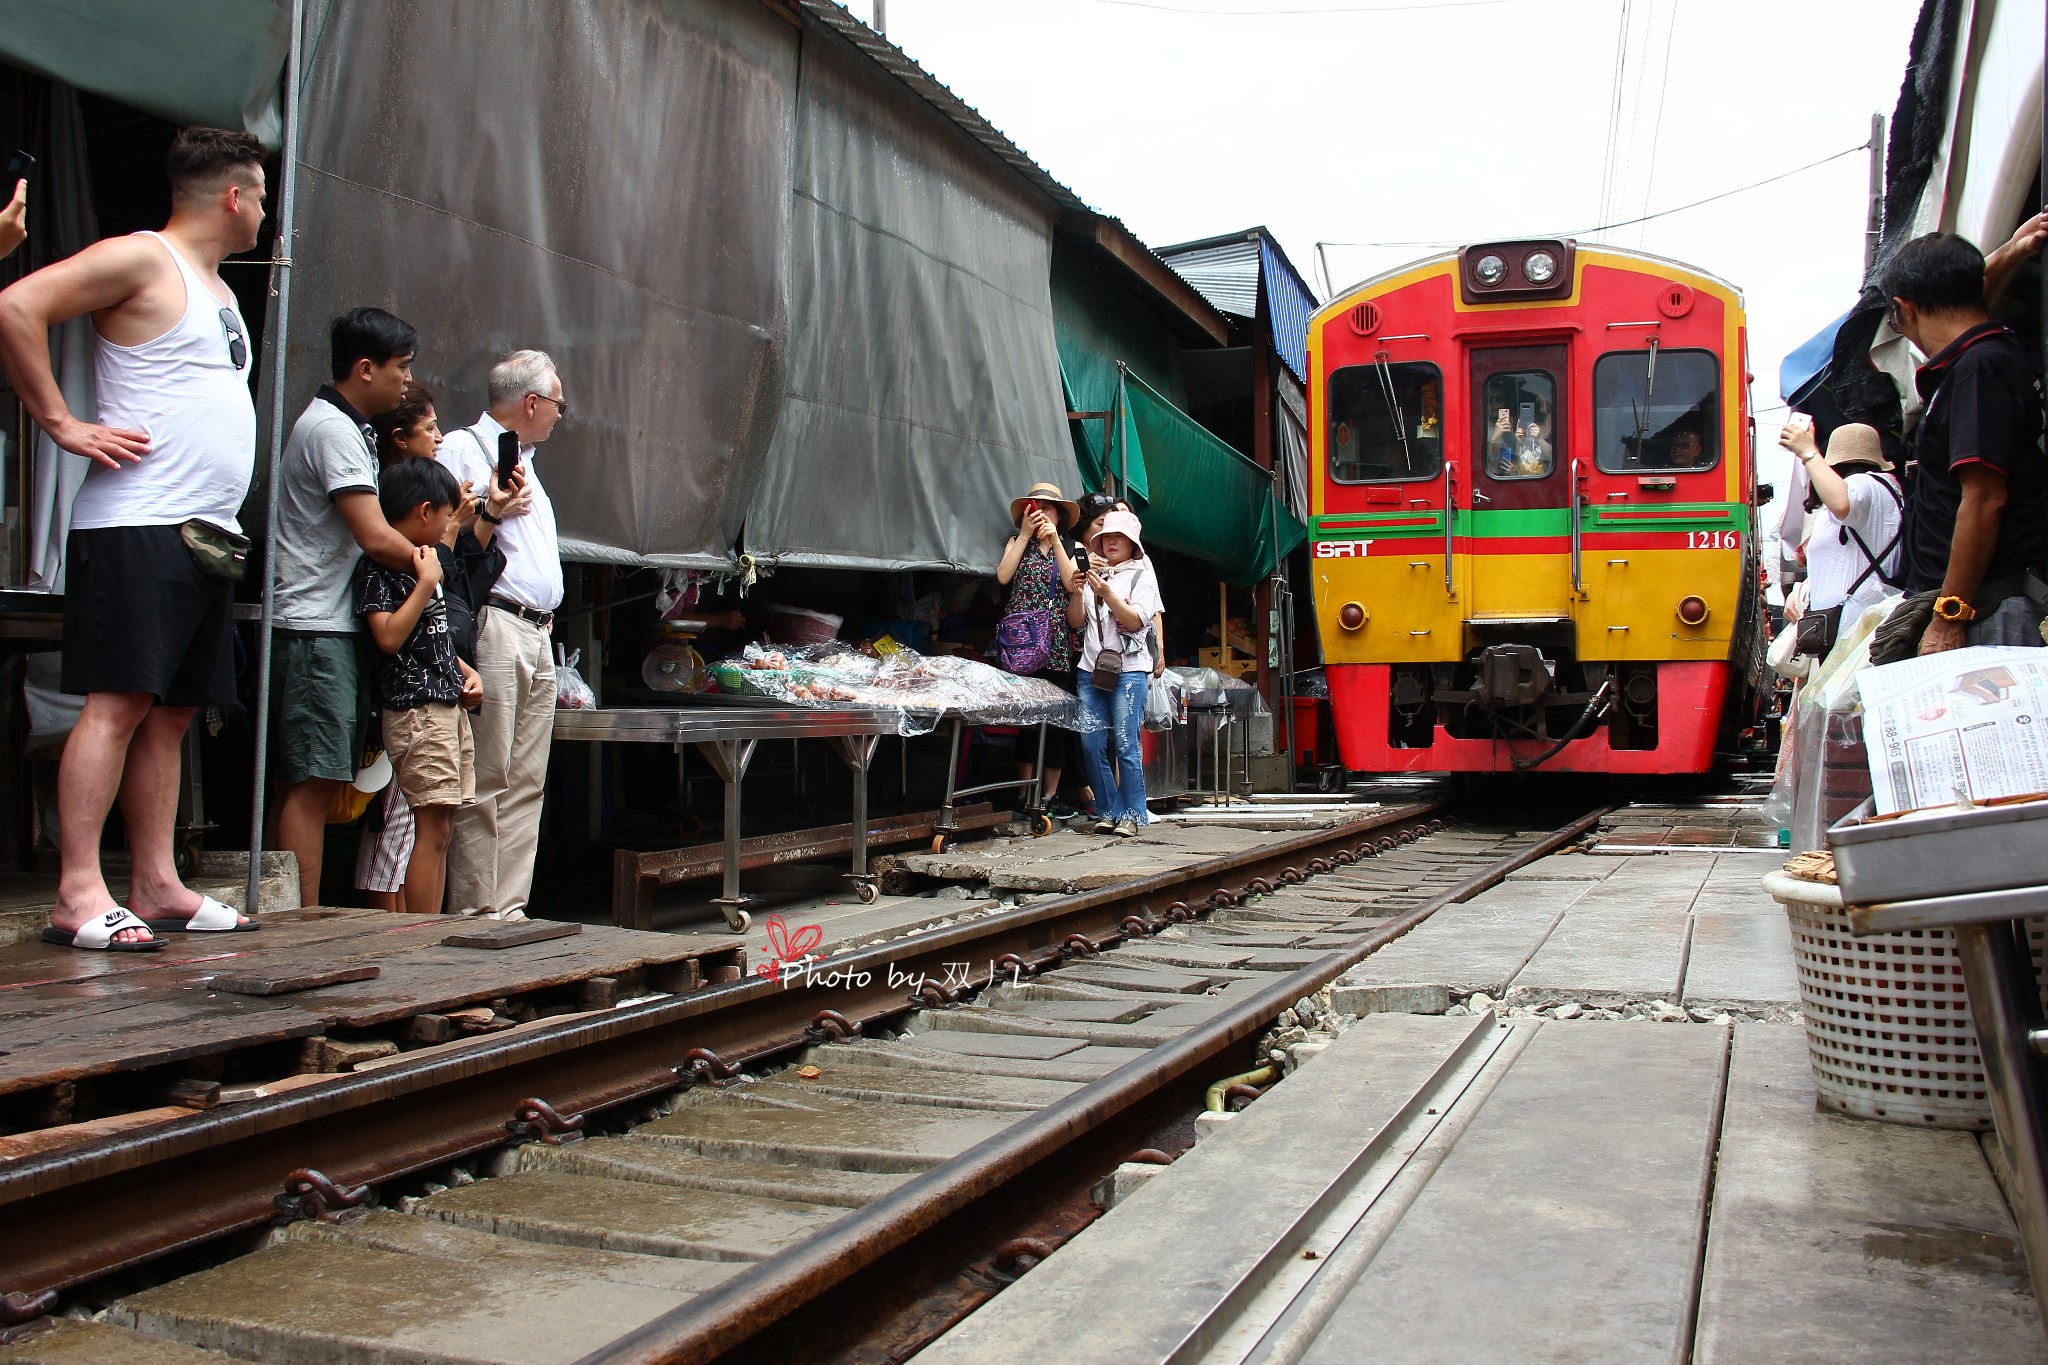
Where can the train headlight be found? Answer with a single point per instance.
(1490, 270)
(1540, 268)
(1692, 611)
(1351, 616)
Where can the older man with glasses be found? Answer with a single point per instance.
(491, 852)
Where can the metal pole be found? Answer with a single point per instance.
(882, 17)
(1124, 447)
(274, 343)
(1873, 225)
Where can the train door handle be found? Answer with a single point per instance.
(1450, 524)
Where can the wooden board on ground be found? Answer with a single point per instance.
(288, 978)
(496, 935)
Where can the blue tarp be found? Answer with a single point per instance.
(1807, 365)
(1288, 306)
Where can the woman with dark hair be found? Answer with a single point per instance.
(1033, 639)
(412, 431)
(1852, 555)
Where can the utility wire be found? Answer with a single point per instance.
(1661, 213)
(1663, 88)
(1330, 9)
(1609, 150)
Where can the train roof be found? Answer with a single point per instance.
(1643, 258)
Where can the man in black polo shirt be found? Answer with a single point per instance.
(1977, 493)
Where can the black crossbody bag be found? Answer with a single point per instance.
(1816, 631)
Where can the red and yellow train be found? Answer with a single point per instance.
(1533, 534)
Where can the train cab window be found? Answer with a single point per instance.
(1386, 423)
(1518, 424)
(1656, 410)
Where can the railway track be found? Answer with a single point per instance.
(849, 1206)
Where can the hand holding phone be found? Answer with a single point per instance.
(18, 167)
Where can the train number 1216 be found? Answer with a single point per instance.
(1713, 540)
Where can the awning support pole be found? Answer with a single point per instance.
(273, 364)
(1123, 447)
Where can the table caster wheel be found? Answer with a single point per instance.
(940, 843)
(867, 893)
(1041, 825)
(739, 921)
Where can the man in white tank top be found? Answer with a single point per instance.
(148, 633)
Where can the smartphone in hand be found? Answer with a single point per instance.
(18, 168)
(508, 457)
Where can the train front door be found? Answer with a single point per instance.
(1518, 518)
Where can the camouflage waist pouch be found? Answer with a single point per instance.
(218, 552)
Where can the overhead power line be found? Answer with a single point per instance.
(1661, 213)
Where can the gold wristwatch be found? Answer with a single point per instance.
(1954, 609)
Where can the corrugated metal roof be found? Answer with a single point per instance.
(1229, 271)
(1226, 274)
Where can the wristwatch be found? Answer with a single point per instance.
(1954, 609)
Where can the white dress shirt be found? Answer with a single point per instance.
(533, 557)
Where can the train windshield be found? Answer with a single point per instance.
(1656, 410)
(1386, 422)
(1519, 424)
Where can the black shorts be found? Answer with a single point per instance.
(139, 616)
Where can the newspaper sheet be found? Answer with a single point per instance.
(1969, 723)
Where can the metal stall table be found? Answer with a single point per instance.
(727, 737)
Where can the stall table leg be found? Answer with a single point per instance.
(2004, 1007)
(729, 758)
(859, 753)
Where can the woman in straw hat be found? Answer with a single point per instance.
(1113, 605)
(1852, 554)
(1033, 639)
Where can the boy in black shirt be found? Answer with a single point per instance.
(421, 685)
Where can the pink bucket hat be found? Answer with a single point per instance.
(1124, 524)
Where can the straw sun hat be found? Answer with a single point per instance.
(1857, 443)
(1046, 495)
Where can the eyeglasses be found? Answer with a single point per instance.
(561, 408)
(238, 349)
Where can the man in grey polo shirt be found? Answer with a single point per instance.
(326, 511)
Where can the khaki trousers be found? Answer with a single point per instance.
(492, 845)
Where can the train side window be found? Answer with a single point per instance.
(1656, 410)
(1386, 423)
(1518, 432)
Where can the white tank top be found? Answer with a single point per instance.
(186, 391)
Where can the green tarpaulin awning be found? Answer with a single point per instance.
(1201, 498)
(216, 62)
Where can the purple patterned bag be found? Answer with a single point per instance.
(1024, 642)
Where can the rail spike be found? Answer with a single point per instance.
(1344, 857)
(310, 1195)
(1134, 926)
(935, 994)
(1014, 1258)
(1078, 945)
(706, 1065)
(1292, 876)
(1223, 900)
(1015, 965)
(1260, 885)
(24, 1315)
(535, 1120)
(832, 1025)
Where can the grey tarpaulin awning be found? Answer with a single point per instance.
(924, 390)
(607, 180)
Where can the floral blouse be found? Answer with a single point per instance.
(1036, 586)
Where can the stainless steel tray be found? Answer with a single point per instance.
(1949, 853)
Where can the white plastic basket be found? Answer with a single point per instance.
(1887, 1019)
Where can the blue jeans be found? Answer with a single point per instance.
(1118, 776)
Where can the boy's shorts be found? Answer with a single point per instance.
(433, 759)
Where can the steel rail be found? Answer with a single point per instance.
(78, 1214)
(724, 1317)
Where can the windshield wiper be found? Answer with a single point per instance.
(1386, 374)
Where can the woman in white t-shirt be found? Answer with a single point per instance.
(1113, 605)
(1853, 550)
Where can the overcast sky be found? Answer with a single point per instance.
(1455, 121)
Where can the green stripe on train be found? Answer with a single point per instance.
(1531, 522)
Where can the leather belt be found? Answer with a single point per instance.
(543, 619)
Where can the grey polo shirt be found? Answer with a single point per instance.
(332, 450)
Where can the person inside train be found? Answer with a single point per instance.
(1519, 450)
(1688, 450)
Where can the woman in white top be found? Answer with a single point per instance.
(1113, 605)
(1853, 551)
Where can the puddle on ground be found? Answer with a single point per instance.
(1933, 1247)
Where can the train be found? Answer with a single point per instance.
(1533, 500)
